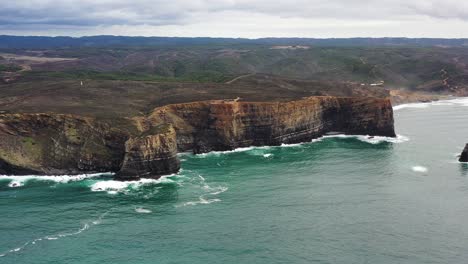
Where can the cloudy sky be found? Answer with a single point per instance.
(237, 18)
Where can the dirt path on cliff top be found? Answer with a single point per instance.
(240, 77)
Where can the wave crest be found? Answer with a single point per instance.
(420, 169)
(463, 101)
(114, 187)
(18, 181)
(371, 139)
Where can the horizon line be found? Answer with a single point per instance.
(209, 37)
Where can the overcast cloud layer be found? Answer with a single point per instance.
(237, 18)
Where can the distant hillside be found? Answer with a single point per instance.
(35, 42)
(429, 65)
(433, 69)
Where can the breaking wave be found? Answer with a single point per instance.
(419, 169)
(142, 210)
(370, 139)
(452, 102)
(411, 105)
(363, 138)
(115, 187)
(18, 181)
(244, 149)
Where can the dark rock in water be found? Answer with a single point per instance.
(464, 155)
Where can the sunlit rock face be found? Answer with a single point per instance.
(52, 144)
(226, 125)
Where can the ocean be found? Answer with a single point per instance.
(340, 199)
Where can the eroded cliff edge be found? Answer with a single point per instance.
(69, 144)
(226, 125)
(55, 144)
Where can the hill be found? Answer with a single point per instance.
(430, 69)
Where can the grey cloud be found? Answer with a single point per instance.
(89, 13)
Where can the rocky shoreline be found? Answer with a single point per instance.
(52, 144)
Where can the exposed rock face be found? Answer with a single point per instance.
(66, 144)
(464, 155)
(57, 144)
(221, 125)
(51, 144)
(150, 155)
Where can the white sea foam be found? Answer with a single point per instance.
(244, 149)
(371, 139)
(15, 184)
(284, 145)
(208, 192)
(462, 101)
(114, 187)
(201, 200)
(218, 190)
(411, 105)
(364, 138)
(57, 236)
(419, 169)
(18, 181)
(268, 155)
(141, 210)
(212, 190)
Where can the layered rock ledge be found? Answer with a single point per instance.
(55, 144)
(226, 125)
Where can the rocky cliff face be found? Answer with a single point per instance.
(464, 155)
(50, 144)
(66, 144)
(221, 125)
(149, 155)
(57, 144)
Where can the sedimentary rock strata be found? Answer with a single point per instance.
(69, 144)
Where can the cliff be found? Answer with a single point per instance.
(226, 125)
(464, 155)
(53, 144)
(57, 144)
(69, 144)
(150, 155)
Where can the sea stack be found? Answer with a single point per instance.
(464, 155)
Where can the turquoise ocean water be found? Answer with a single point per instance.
(335, 200)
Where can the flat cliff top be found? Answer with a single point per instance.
(122, 99)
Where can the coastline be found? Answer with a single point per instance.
(399, 97)
(448, 100)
